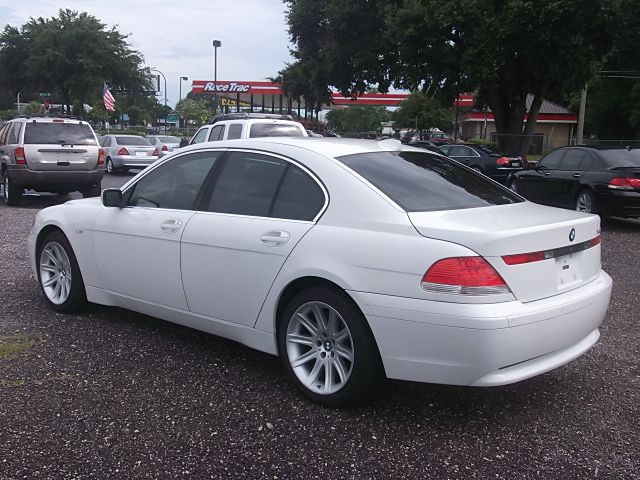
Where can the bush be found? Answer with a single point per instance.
(481, 141)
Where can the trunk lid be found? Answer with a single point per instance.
(497, 231)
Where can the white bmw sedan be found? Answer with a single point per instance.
(350, 259)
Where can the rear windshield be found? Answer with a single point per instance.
(274, 130)
(422, 182)
(132, 141)
(487, 149)
(169, 139)
(49, 133)
(622, 157)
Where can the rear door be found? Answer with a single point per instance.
(59, 145)
(258, 208)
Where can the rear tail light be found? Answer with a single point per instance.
(101, 157)
(155, 153)
(621, 183)
(502, 161)
(18, 153)
(463, 276)
(123, 151)
(593, 242)
(165, 148)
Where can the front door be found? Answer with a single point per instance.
(137, 248)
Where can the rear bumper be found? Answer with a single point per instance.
(484, 344)
(620, 204)
(53, 179)
(130, 161)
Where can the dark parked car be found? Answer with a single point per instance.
(432, 147)
(485, 159)
(585, 179)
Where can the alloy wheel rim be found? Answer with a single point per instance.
(55, 273)
(5, 183)
(584, 203)
(320, 348)
(109, 166)
(513, 187)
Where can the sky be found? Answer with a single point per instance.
(176, 37)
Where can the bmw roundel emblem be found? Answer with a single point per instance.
(572, 235)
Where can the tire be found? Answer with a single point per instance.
(109, 169)
(586, 202)
(335, 362)
(513, 186)
(477, 169)
(91, 191)
(12, 193)
(59, 275)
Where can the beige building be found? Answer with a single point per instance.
(555, 126)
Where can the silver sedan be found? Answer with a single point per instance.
(165, 144)
(127, 151)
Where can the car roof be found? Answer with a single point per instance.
(326, 146)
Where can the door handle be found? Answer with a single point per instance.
(547, 173)
(171, 226)
(576, 175)
(275, 238)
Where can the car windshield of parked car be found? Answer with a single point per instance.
(421, 182)
(132, 141)
(274, 130)
(50, 133)
(164, 139)
(622, 158)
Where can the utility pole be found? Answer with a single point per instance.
(583, 106)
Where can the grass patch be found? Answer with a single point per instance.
(13, 346)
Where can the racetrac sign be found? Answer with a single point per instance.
(233, 87)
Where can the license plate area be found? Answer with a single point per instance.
(567, 270)
(141, 154)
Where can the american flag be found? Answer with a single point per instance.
(107, 98)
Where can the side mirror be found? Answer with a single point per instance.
(112, 197)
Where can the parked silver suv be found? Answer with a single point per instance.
(49, 154)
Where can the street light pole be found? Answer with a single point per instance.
(165, 84)
(216, 44)
(181, 80)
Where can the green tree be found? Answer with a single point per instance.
(420, 110)
(69, 55)
(196, 109)
(501, 50)
(358, 118)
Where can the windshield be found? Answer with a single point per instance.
(50, 133)
(169, 139)
(422, 182)
(274, 130)
(121, 140)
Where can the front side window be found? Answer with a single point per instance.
(54, 133)
(552, 161)
(422, 182)
(263, 186)
(174, 184)
(216, 133)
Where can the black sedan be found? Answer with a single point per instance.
(427, 145)
(484, 159)
(585, 179)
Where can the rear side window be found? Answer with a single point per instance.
(572, 160)
(132, 141)
(235, 131)
(216, 133)
(422, 182)
(50, 133)
(274, 130)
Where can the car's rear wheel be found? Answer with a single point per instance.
(586, 202)
(513, 186)
(108, 167)
(59, 274)
(328, 348)
(477, 169)
(12, 193)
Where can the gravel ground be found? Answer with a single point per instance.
(114, 394)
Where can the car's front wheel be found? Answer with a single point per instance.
(59, 274)
(328, 348)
